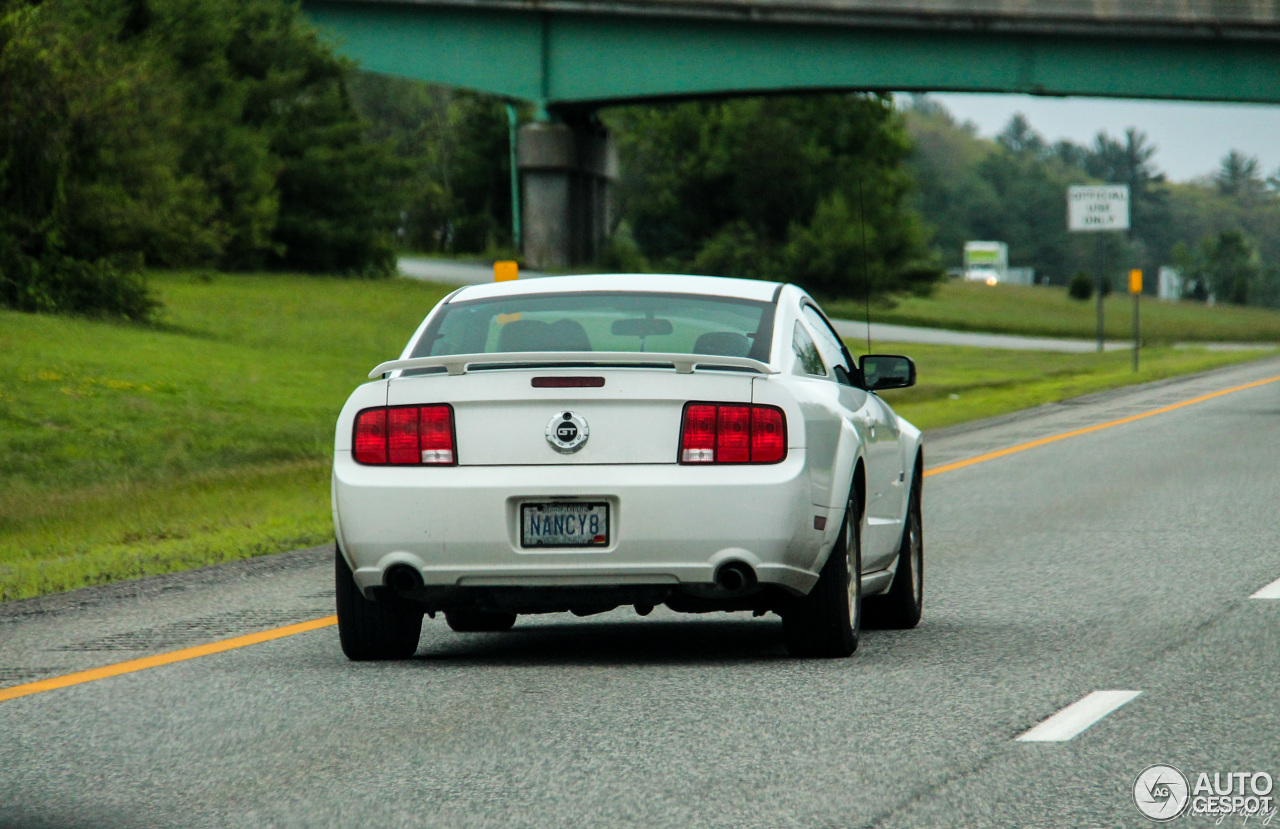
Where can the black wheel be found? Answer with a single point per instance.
(900, 608)
(388, 629)
(479, 621)
(825, 624)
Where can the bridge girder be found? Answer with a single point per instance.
(566, 53)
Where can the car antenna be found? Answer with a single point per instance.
(866, 272)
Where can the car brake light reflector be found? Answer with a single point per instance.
(402, 435)
(698, 434)
(733, 434)
(768, 435)
(567, 382)
(713, 433)
(436, 444)
(371, 436)
(405, 436)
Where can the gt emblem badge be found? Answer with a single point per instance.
(567, 432)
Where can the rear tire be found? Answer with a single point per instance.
(826, 623)
(387, 629)
(479, 621)
(900, 608)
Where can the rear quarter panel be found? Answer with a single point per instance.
(829, 442)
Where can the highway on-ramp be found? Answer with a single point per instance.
(1115, 566)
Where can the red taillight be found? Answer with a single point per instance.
(768, 435)
(405, 435)
(732, 434)
(436, 445)
(402, 435)
(371, 436)
(698, 434)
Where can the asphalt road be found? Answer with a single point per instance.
(1118, 559)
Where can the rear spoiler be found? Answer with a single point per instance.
(682, 363)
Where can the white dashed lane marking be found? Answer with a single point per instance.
(1271, 591)
(1077, 716)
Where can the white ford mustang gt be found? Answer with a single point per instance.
(580, 443)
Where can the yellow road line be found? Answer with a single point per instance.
(162, 659)
(1022, 447)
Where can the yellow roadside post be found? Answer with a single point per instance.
(1135, 288)
(505, 270)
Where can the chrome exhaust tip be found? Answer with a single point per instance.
(734, 576)
(402, 579)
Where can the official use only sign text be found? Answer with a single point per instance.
(1101, 207)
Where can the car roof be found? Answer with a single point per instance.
(647, 282)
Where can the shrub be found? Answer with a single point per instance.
(60, 283)
(1080, 287)
(621, 254)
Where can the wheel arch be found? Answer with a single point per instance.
(857, 492)
(858, 487)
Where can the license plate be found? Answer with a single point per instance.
(565, 524)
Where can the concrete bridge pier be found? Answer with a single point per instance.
(567, 171)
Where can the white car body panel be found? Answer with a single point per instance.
(671, 523)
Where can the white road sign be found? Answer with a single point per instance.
(1103, 207)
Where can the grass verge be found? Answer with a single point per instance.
(64, 540)
(958, 384)
(130, 450)
(1047, 311)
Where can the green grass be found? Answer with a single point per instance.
(957, 384)
(129, 450)
(104, 533)
(1048, 312)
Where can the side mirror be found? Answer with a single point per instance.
(886, 371)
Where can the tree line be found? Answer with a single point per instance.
(1222, 232)
(809, 189)
(841, 193)
(167, 133)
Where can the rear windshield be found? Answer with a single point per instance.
(630, 321)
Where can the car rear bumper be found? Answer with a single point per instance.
(670, 524)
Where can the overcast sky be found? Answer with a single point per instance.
(1190, 138)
